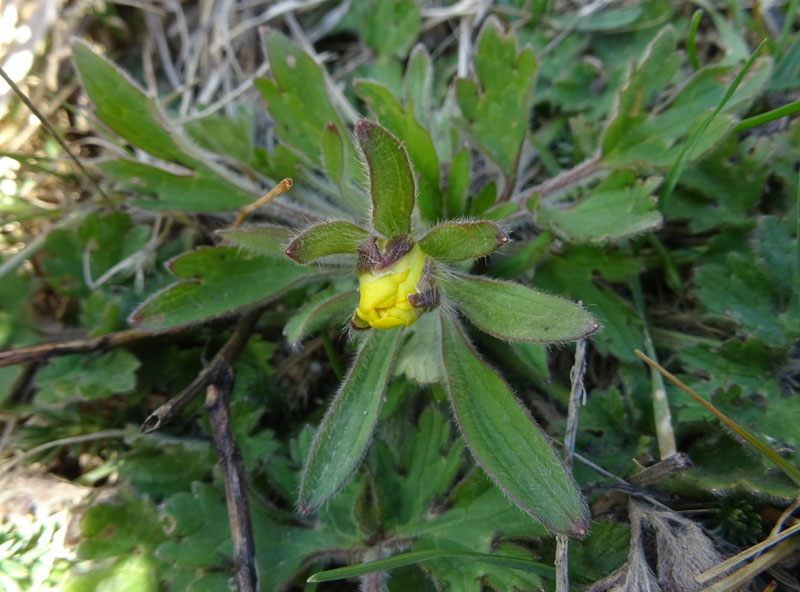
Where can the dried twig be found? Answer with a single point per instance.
(230, 460)
(661, 470)
(577, 173)
(45, 351)
(248, 209)
(225, 357)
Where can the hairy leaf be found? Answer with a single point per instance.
(328, 238)
(391, 180)
(513, 311)
(506, 442)
(346, 430)
(331, 305)
(456, 241)
(215, 281)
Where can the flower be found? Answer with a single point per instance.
(385, 292)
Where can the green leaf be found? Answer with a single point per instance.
(417, 82)
(198, 190)
(119, 528)
(327, 238)
(421, 152)
(513, 311)
(159, 469)
(215, 281)
(346, 430)
(573, 272)
(456, 241)
(506, 442)
(263, 239)
(677, 166)
(333, 156)
(331, 305)
(415, 359)
(496, 107)
(485, 199)
(389, 27)
(430, 460)
(646, 78)
(617, 208)
(415, 557)
(391, 181)
(298, 98)
(86, 376)
(123, 107)
(508, 568)
(457, 185)
(740, 290)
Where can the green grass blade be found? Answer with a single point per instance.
(415, 557)
(788, 468)
(683, 157)
(763, 118)
(691, 45)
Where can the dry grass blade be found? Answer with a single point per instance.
(791, 471)
(717, 570)
(741, 577)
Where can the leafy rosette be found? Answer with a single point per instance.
(403, 276)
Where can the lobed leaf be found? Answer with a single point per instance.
(391, 180)
(513, 311)
(327, 238)
(297, 99)
(496, 106)
(124, 107)
(215, 281)
(617, 208)
(198, 190)
(389, 27)
(457, 241)
(647, 77)
(505, 440)
(346, 430)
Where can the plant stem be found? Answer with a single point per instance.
(230, 460)
(661, 413)
(577, 397)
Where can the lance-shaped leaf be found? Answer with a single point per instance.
(215, 281)
(506, 441)
(513, 311)
(328, 238)
(391, 180)
(344, 435)
(456, 241)
(329, 305)
(416, 140)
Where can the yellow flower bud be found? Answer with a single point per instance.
(384, 293)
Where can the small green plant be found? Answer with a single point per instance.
(400, 279)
